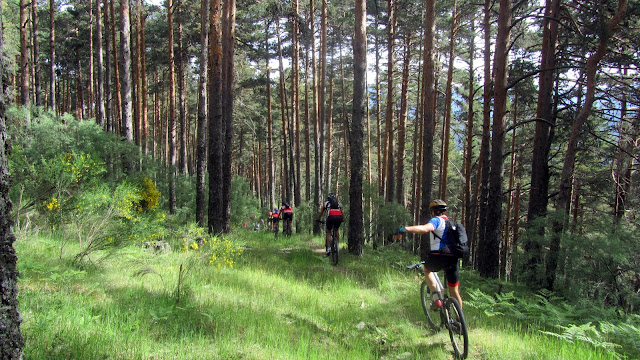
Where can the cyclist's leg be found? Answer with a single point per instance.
(452, 275)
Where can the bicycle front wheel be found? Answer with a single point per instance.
(333, 256)
(425, 300)
(457, 327)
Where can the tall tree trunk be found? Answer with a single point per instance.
(201, 150)
(137, 77)
(271, 163)
(286, 180)
(380, 159)
(108, 93)
(182, 103)
(316, 120)
(322, 118)
(90, 87)
(489, 260)
(328, 167)
(404, 114)
(388, 140)
(564, 194)
(468, 213)
(448, 104)
(36, 54)
(229, 23)
(143, 82)
(24, 54)
(11, 340)
(505, 252)
(216, 139)
(116, 71)
(126, 81)
(52, 56)
(356, 135)
(295, 99)
(100, 101)
(172, 131)
(485, 145)
(539, 192)
(308, 126)
(428, 117)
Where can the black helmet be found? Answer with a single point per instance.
(285, 204)
(331, 197)
(438, 205)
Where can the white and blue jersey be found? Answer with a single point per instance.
(439, 224)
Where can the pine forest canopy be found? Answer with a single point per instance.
(522, 116)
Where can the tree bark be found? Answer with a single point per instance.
(295, 99)
(116, 71)
(388, 140)
(322, 106)
(489, 249)
(216, 139)
(201, 150)
(402, 121)
(485, 148)
(229, 23)
(447, 103)
(100, 100)
(126, 81)
(286, 180)
(11, 340)
(36, 54)
(356, 134)
(271, 164)
(539, 192)
(24, 54)
(427, 117)
(468, 213)
(172, 131)
(52, 56)
(182, 103)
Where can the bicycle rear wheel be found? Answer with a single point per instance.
(333, 256)
(425, 300)
(457, 327)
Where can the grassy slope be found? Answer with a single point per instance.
(282, 300)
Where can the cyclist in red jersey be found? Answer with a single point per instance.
(334, 218)
(286, 214)
(275, 217)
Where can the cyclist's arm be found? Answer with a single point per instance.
(420, 229)
(320, 213)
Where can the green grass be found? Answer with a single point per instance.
(281, 300)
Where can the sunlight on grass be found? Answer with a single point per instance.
(282, 300)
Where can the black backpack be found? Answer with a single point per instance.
(333, 202)
(458, 244)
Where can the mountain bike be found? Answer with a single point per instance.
(451, 315)
(286, 228)
(334, 246)
(276, 227)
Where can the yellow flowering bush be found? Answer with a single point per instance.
(218, 251)
(149, 194)
(81, 166)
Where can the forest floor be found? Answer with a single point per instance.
(278, 299)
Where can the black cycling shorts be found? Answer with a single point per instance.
(287, 216)
(334, 221)
(450, 265)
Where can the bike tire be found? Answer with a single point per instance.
(457, 326)
(334, 256)
(425, 300)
